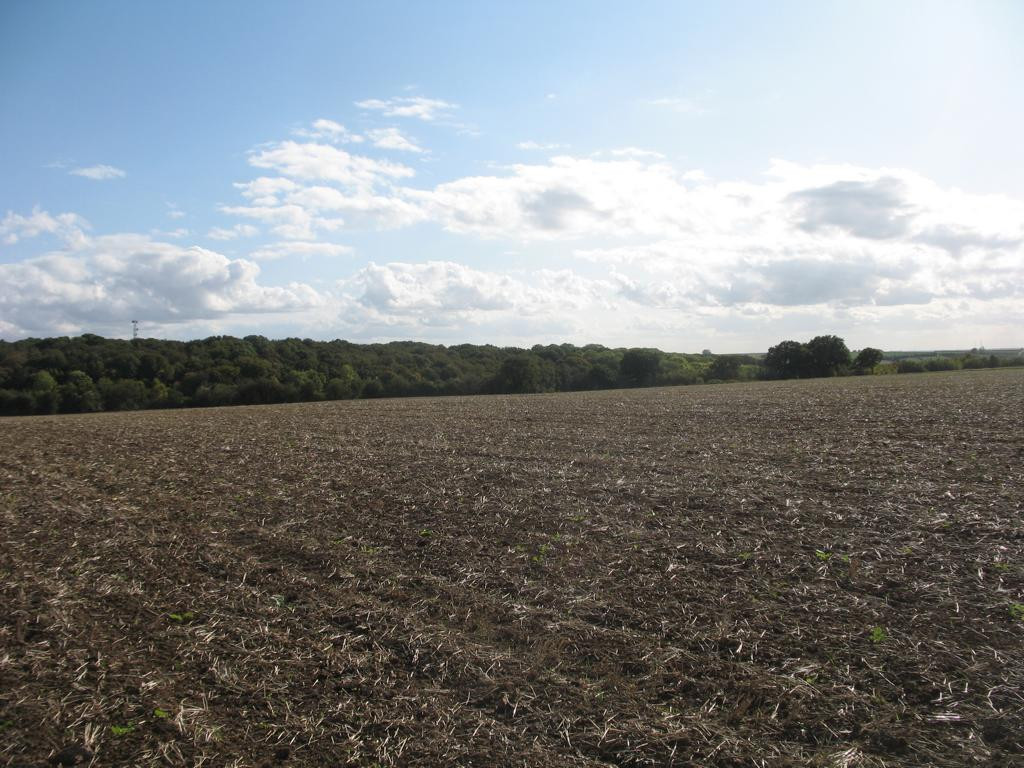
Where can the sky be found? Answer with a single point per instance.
(681, 175)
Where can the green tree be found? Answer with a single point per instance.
(867, 359)
(786, 360)
(78, 394)
(16, 403)
(725, 368)
(345, 385)
(910, 366)
(519, 374)
(45, 394)
(639, 367)
(828, 356)
(122, 394)
(309, 385)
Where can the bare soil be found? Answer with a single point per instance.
(816, 573)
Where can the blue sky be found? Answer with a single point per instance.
(679, 175)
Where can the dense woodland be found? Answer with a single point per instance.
(92, 373)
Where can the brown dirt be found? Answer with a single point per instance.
(817, 573)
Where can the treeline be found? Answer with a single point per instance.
(92, 373)
(821, 356)
(829, 356)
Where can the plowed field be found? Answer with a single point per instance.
(809, 573)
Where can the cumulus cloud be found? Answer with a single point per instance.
(98, 172)
(100, 283)
(365, 208)
(311, 161)
(66, 226)
(650, 247)
(232, 233)
(174, 234)
(392, 138)
(877, 209)
(288, 220)
(564, 198)
(322, 188)
(956, 239)
(266, 190)
(417, 107)
(329, 130)
(832, 237)
(446, 286)
(445, 299)
(282, 250)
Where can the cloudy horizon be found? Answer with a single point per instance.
(432, 204)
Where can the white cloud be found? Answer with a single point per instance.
(329, 130)
(565, 198)
(99, 284)
(826, 235)
(323, 188)
(66, 226)
(447, 286)
(309, 161)
(447, 300)
(232, 233)
(290, 221)
(660, 246)
(299, 248)
(410, 106)
(99, 172)
(653, 251)
(174, 234)
(392, 138)
(266, 190)
(383, 209)
(876, 209)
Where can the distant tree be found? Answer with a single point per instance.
(78, 394)
(153, 366)
(519, 374)
(787, 360)
(725, 368)
(344, 385)
(16, 403)
(373, 388)
(639, 367)
(910, 366)
(828, 356)
(122, 365)
(256, 392)
(675, 370)
(252, 367)
(45, 394)
(309, 385)
(601, 376)
(218, 394)
(122, 394)
(92, 372)
(867, 359)
(158, 395)
(942, 364)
